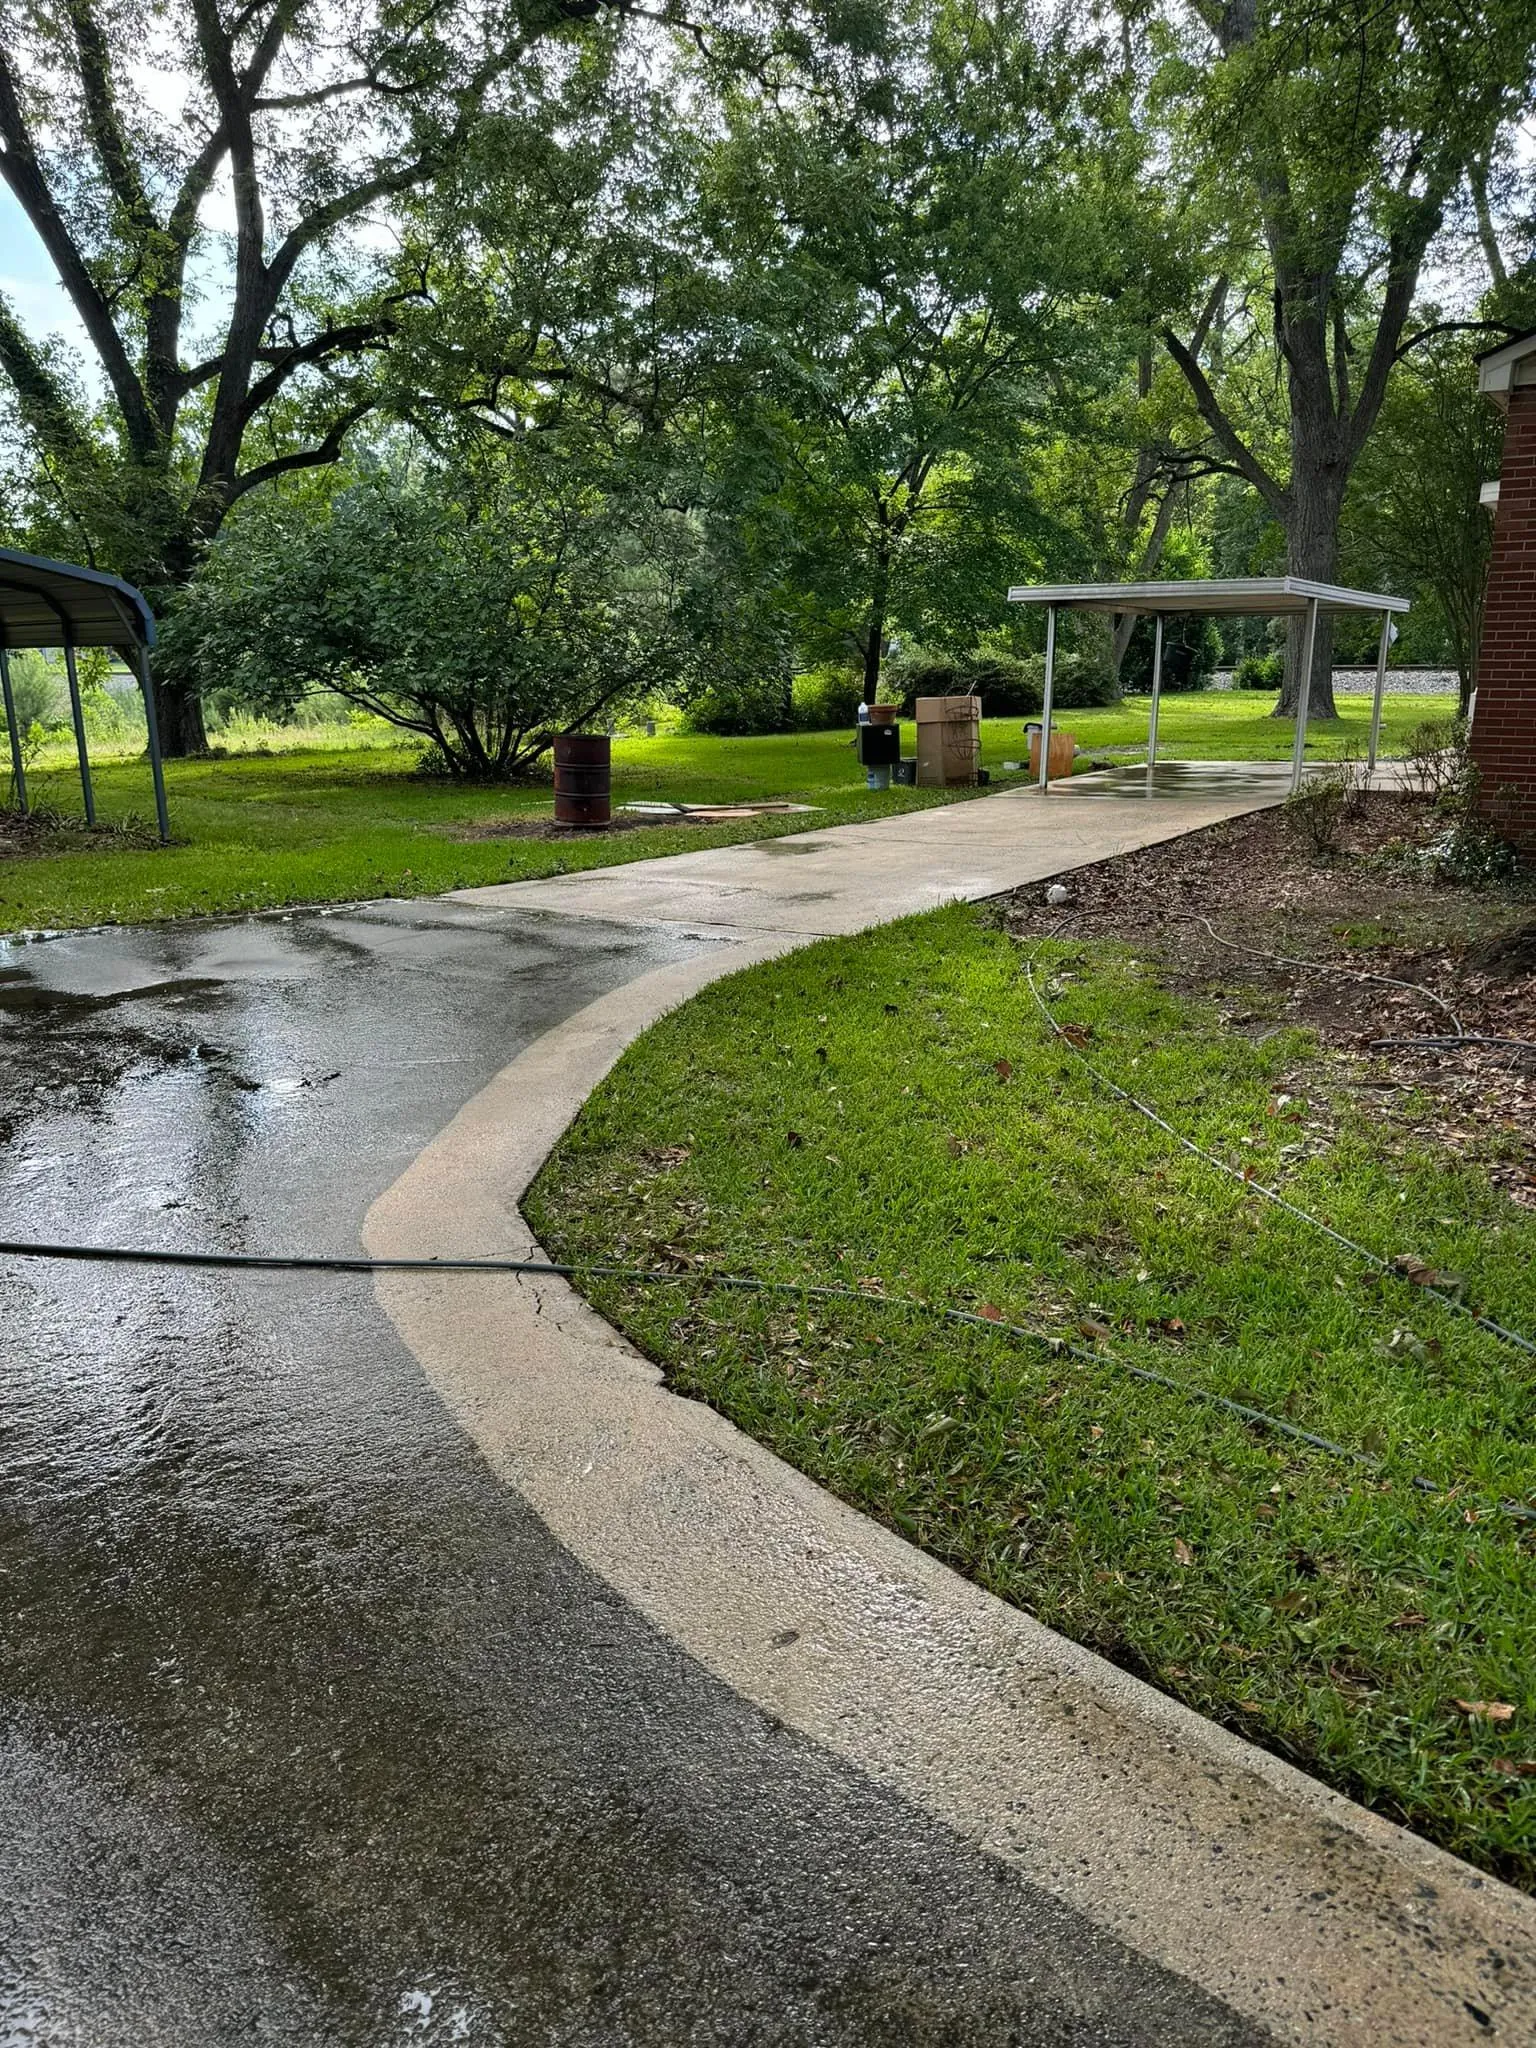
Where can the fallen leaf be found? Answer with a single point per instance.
(1486, 1710)
(1508, 1768)
(992, 1314)
(1182, 1552)
(1077, 1034)
(1411, 1619)
(1095, 1330)
(1292, 1602)
(1171, 1326)
(1003, 1069)
(1407, 1267)
(793, 1138)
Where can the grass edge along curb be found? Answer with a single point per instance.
(747, 1103)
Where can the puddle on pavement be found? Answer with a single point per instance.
(1184, 780)
(789, 845)
(23, 996)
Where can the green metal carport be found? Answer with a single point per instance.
(59, 604)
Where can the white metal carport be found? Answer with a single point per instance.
(1270, 596)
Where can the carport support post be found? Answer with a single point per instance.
(78, 715)
(1381, 684)
(152, 727)
(1304, 696)
(1157, 687)
(1045, 709)
(18, 767)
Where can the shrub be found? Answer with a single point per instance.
(732, 710)
(484, 605)
(1327, 798)
(1009, 685)
(826, 699)
(1259, 672)
(1006, 684)
(1081, 681)
(920, 675)
(37, 690)
(1435, 756)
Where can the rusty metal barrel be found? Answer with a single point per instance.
(583, 779)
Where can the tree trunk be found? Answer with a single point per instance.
(1312, 551)
(180, 715)
(874, 638)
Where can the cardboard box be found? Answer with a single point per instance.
(947, 755)
(945, 710)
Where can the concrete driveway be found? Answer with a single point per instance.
(310, 1731)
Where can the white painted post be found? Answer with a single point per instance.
(1157, 689)
(1304, 696)
(1381, 684)
(1045, 709)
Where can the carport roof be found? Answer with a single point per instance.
(45, 604)
(1274, 595)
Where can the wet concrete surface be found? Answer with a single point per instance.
(309, 1731)
(1174, 781)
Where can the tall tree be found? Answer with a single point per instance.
(912, 247)
(228, 357)
(1332, 136)
(1412, 519)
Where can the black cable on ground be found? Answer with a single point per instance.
(1416, 988)
(302, 1262)
(1258, 1187)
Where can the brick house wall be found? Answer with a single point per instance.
(1503, 736)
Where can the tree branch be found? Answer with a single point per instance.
(20, 169)
(102, 119)
(301, 458)
(330, 341)
(1405, 257)
(1477, 178)
(1245, 463)
(1503, 327)
(44, 402)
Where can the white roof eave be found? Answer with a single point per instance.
(1277, 596)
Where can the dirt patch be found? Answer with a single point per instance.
(542, 828)
(1245, 914)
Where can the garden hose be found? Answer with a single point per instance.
(1270, 1194)
(301, 1262)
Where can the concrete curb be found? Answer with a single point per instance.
(1302, 1911)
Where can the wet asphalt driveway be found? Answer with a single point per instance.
(309, 1732)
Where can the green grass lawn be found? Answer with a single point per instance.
(1236, 725)
(890, 1110)
(331, 823)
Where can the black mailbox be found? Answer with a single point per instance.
(879, 746)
